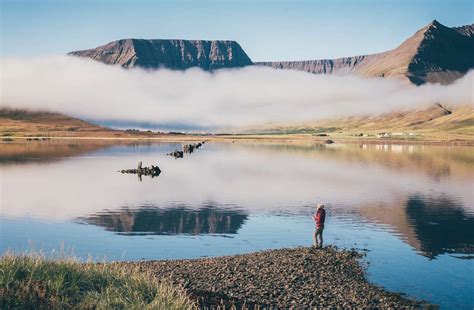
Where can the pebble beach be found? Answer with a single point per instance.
(285, 278)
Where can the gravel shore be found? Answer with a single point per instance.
(286, 278)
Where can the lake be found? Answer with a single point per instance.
(409, 207)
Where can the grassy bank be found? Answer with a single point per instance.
(32, 282)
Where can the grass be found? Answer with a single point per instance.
(34, 282)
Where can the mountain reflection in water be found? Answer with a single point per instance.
(432, 225)
(441, 226)
(21, 152)
(169, 221)
(388, 185)
(411, 206)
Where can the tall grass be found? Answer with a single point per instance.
(33, 282)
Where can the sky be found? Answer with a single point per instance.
(267, 30)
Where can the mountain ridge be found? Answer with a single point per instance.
(467, 30)
(435, 54)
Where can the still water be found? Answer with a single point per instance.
(411, 207)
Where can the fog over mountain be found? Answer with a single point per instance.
(175, 83)
(225, 98)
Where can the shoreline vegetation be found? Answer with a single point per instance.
(299, 278)
(31, 281)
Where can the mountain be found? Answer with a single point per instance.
(33, 123)
(435, 54)
(170, 54)
(455, 122)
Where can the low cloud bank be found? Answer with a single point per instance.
(223, 99)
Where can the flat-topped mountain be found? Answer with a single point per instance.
(435, 53)
(170, 54)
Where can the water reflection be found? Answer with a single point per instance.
(259, 178)
(403, 203)
(25, 151)
(441, 225)
(169, 221)
(432, 225)
(438, 162)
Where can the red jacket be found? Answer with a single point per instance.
(319, 218)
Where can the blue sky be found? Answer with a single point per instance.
(267, 30)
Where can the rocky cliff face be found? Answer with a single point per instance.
(322, 66)
(467, 30)
(170, 54)
(435, 53)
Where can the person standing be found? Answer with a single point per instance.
(319, 217)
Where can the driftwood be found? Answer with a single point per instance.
(176, 154)
(187, 149)
(152, 171)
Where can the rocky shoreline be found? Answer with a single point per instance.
(273, 279)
